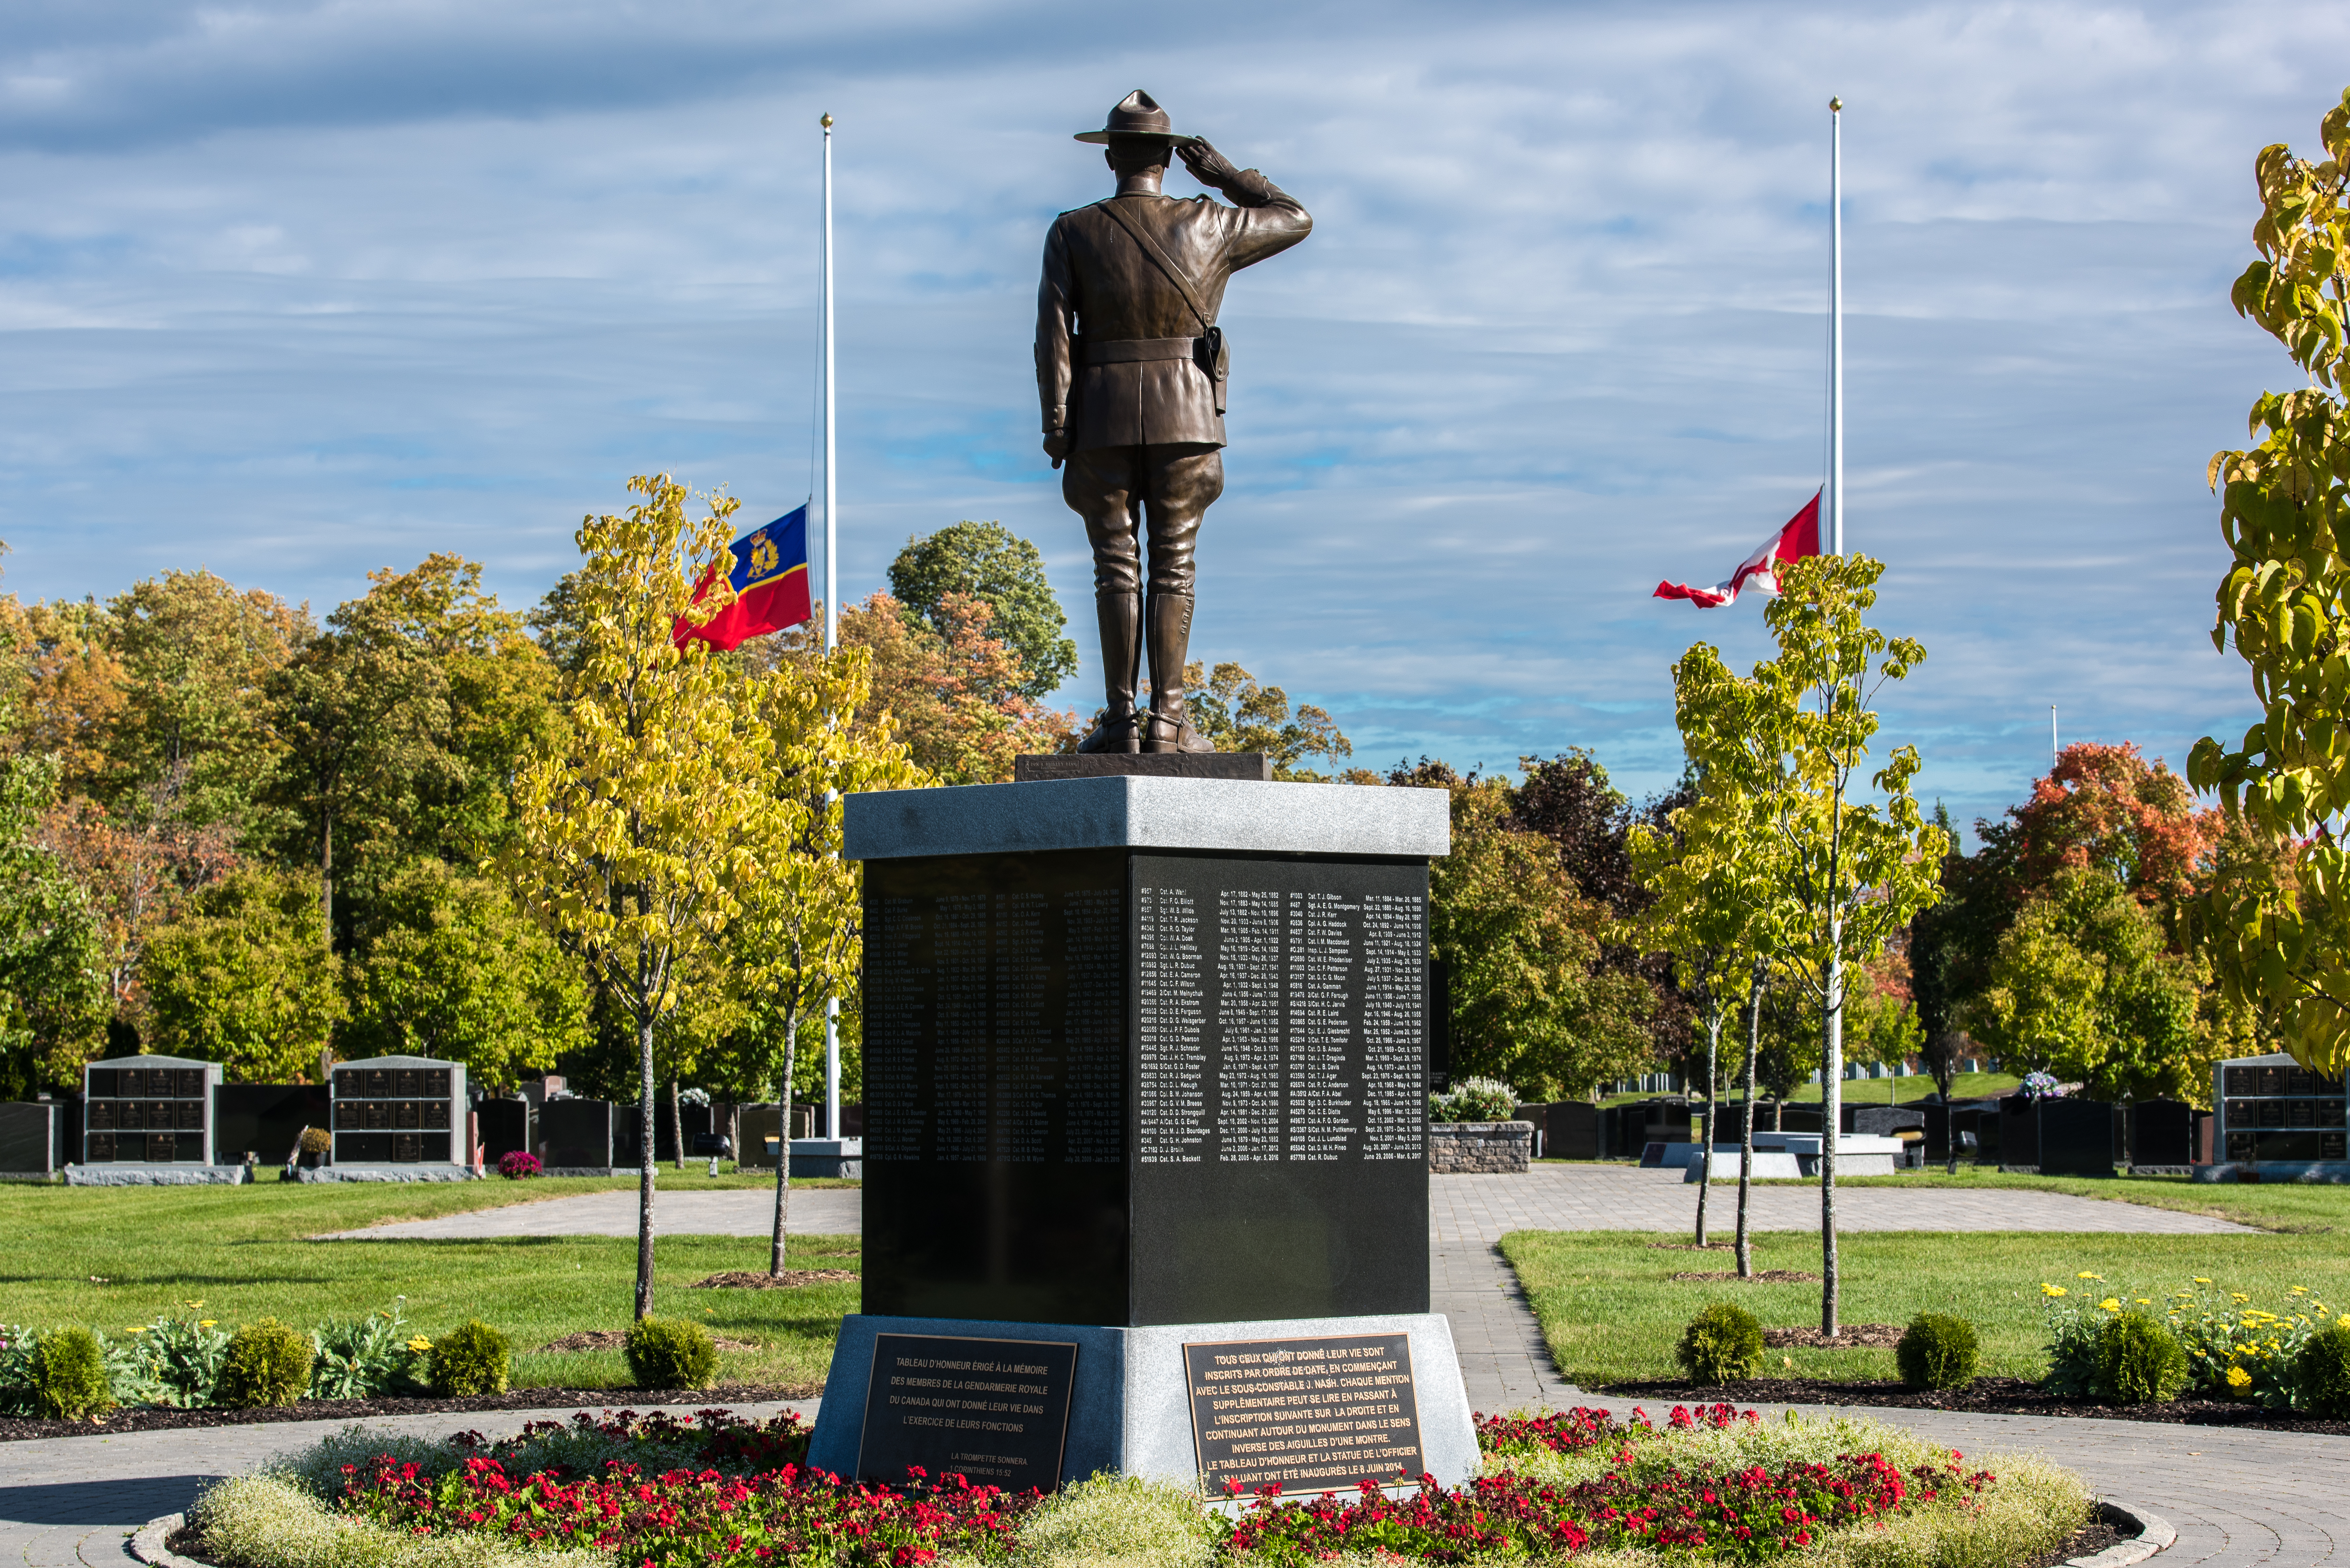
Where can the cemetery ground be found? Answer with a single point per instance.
(1613, 1310)
(115, 1257)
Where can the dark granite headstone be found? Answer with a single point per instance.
(1571, 1130)
(2162, 1132)
(2019, 1130)
(995, 1411)
(575, 1134)
(505, 1128)
(2075, 1138)
(1035, 769)
(1324, 1414)
(1880, 1121)
(27, 1140)
(1095, 1078)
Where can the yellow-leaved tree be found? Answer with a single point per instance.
(648, 826)
(2275, 919)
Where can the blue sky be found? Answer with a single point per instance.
(297, 290)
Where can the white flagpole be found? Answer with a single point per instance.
(831, 609)
(1835, 327)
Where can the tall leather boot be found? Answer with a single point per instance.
(1171, 644)
(1117, 730)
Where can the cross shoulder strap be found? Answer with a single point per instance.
(1160, 259)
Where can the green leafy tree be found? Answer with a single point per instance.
(2275, 922)
(988, 561)
(2084, 987)
(1238, 714)
(456, 971)
(196, 656)
(1784, 747)
(54, 998)
(1710, 881)
(1531, 1003)
(643, 827)
(243, 977)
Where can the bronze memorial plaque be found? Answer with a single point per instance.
(1314, 1415)
(996, 1410)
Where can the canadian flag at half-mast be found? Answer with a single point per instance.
(1799, 539)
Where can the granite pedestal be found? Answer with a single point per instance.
(1146, 1054)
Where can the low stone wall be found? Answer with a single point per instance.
(1489, 1149)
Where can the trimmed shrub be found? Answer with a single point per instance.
(1474, 1100)
(1723, 1344)
(2322, 1372)
(2139, 1360)
(316, 1141)
(471, 1358)
(1938, 1351)
(267, 1363)
(69, 1377)
(670, 1352)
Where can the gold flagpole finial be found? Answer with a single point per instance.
(1835, 106)
(825, 122)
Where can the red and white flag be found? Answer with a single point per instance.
(1799, 539)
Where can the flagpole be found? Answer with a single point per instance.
(1836, 327)
(831, 610)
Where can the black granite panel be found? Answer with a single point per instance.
(1280, 1022)
(104, 1116)
(363, 1148)
(264, 1120)
(104, 1081)
(185, 1147)
(2076, 1137)
(995, 1088)
(505, 1128)
(2162, 1132)
(1094, 1079)
(104, 1147)
(24, 1135)
(1308, 1415)
(995, 1411)
(406, 1148)
(575, 1133)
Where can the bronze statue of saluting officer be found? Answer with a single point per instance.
(1131, 369)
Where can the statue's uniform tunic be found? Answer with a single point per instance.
(1120, 363)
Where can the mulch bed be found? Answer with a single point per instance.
(2083, 1543)
(1852, 1337)
(744, 1280)
(17, 1429)
(1759, 1277)
(1988, 1397)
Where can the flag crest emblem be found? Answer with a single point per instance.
(767, 569)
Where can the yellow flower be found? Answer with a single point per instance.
(2110, 1304)
(2238, 1296)
(207, 1323)
(2051, 1290)
(2202, 1281)
(2142, 1301)
(2239, 1379)
(2300, 1290)
(420, 1345)
(2085, 1274)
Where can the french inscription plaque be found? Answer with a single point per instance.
(994, 1410)
(1320, 1414)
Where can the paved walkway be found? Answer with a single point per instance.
(728, 1212)
(2237, 1498)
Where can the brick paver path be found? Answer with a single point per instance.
(2270, 1499)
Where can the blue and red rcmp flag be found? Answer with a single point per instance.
(771, 586)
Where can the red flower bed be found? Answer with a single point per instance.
(751, 1500)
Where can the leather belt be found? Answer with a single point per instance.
(1127, 350)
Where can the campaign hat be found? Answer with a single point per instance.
(1137, 114)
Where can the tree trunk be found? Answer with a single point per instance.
(1705, 1177)
(676, 1123)
(1746, 1141)
(327, 876)
(1831, 1122)
(784, 1142)
(648, 1170)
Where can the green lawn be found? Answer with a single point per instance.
(1612, 1313)
(114, 1257)
(2292, 1208)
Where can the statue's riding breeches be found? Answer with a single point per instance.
(1170, 488)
